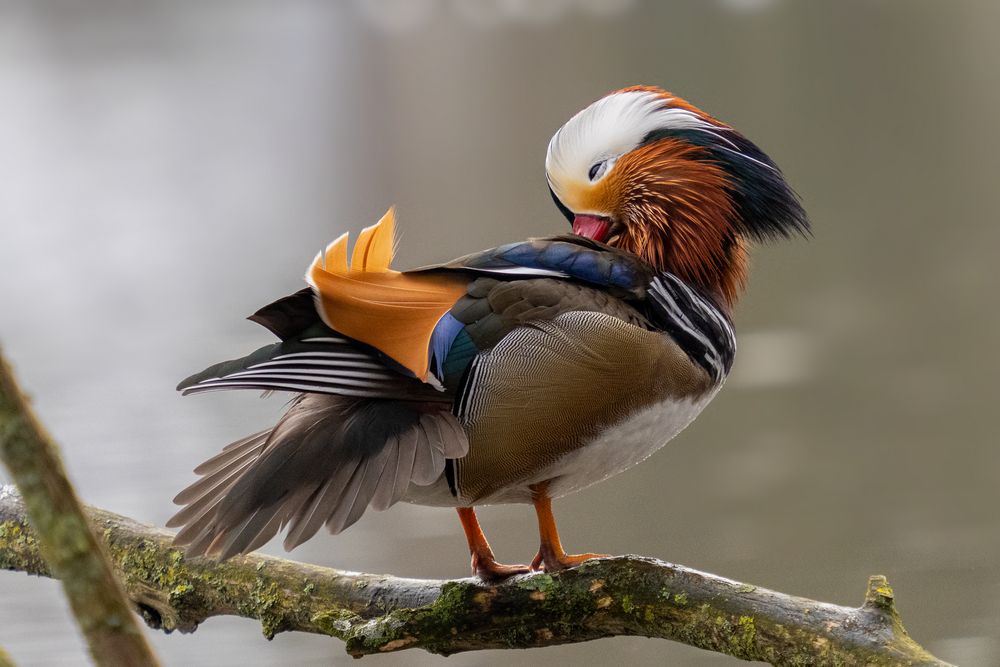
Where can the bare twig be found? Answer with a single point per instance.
(379, 613)
(66, 541)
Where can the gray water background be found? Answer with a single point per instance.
(168, 167)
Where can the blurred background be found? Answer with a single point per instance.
(168, 167)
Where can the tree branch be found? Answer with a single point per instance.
(378, 613)
(66, 539)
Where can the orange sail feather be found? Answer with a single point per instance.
(393, 312)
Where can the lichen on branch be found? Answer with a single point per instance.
(628, 595)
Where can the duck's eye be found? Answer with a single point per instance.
(597, 169)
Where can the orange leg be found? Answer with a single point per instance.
(551, 555)
(484, 565)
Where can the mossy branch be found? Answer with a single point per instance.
(378, 613)
(65, 538)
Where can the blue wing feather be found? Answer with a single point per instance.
(561, 257)
(442, 340)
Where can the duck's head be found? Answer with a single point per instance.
(645, 171)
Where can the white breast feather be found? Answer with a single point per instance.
(625, 444)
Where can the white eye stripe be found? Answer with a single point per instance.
(611, 127)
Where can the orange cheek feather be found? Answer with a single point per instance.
(601, 198)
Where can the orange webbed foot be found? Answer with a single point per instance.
(552, 562)
(551, 557)
(487, 569)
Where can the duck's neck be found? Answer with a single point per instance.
(718, 270)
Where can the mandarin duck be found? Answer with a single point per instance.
(518, 374)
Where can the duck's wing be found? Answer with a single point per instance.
(567, 256)
(317, 360)
(323, 464)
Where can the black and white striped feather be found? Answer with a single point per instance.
(327, 364)
(702, 330)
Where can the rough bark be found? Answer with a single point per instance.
(628, 595)
(65, 538)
